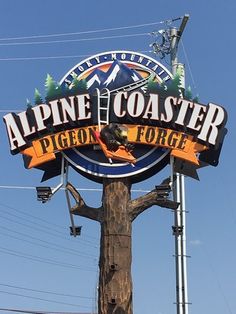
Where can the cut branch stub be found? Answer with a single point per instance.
(140, 204)
(81, 209)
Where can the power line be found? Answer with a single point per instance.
(44, 246)
(79, 189)
(49, 58)
(42, 228)
(73, 40)
(188, 64)
(46, 292)
(72, 251)
(25, 219)
(45, 300)
(30, 215)
(36, 312)
(43, 260)
(40, 219)
(47, 232)
(90, 31)
(43, 58)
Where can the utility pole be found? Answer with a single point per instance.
(168, 45)
(179, 228)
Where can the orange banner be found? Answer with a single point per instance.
(181, 144)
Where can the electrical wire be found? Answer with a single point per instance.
(188, 64)
(90, 31)
(73, 40)
(32, 216)
(43, 260)
(52, 57)
(62, 248)
(37, 224)
(36, 312)
(40, 219)
(45, 300)
(79, 189)
(43, 58)
(44, 246)
(46, 292)
(25, 219)
(45, 232)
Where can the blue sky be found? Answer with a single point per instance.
(209, 44)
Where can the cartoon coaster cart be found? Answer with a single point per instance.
(112, 137)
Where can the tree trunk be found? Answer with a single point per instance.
(115, 282)
(116, 215)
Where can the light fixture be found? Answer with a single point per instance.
(43, 193)
(75, 230)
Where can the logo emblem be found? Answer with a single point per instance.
(107, 74)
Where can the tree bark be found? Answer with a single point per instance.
(115, 216)
(115, 282)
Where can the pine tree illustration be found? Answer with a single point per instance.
(37, 97)
(78, 85)
(53, 89)
(154, 86)
(196, 99)
(188, 93)
(28, 103)
(174, 87)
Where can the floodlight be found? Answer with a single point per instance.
(177, 230)
(163, 190)
(43, 193)
(75, 230)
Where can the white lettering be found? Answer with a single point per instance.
(123, 56)
(42, 113)
(89, 64)
(135, 104)
(132, 57)
(168, 115)
(117, 104)
(97, 59)
(214, 118)
(140, 59)
(84, 106)
(68, 109)
(197, 116)
(15, 138)
(113, 56)
(25, 124)
(184, 106)
(55, 112)
(151, 111)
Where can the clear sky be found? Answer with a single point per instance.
(36, 251)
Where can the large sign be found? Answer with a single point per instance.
(116, 114)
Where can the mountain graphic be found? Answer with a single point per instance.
(118, 75)
(95, 79)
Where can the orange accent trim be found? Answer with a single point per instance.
(182, 145)
(120, 154)
(36, 160)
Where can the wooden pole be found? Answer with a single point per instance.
(116, 215)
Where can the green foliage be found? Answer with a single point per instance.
(196, 99)
(175, 85)
(172, 87)
(53, 89)
(78, 85)
(28, 103)
(188, 93)
(37, 97)
(152, 85)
